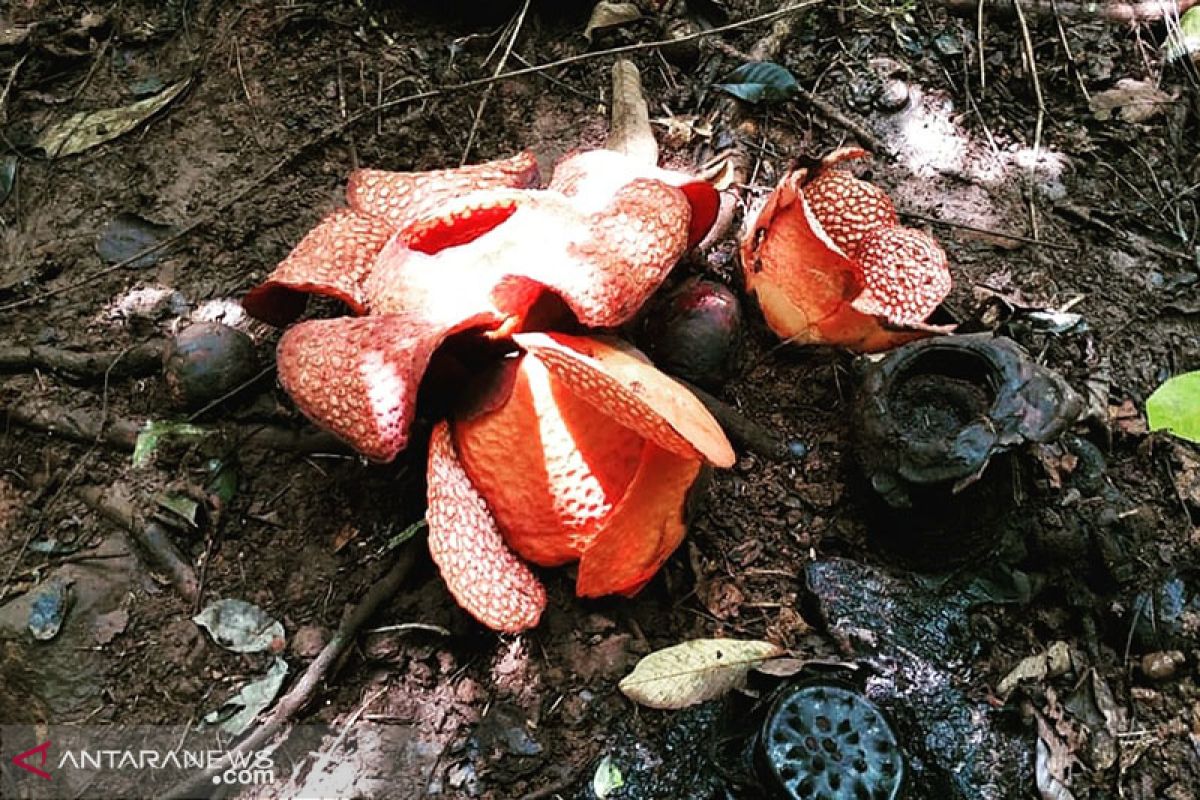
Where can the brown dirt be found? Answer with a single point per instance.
(303, 536)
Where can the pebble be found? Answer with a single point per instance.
(309, 640)
(1162, 665)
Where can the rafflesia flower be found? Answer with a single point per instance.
(829, 263)
(562, 447)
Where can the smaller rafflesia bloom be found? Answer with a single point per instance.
(829, 262)
(560, 447)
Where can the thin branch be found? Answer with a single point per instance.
(500, 65)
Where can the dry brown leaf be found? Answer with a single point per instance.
(1131, 101)
(87, 129)
(608, 15)
(1055, 661)
(692, 672)
(684, 129)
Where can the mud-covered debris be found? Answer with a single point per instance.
(242, 627)
(127, 235)
(1167, 616)
(52, 601)
(504, 744)
(832, 743)
(918, 640)
(697, 334)
(207, 361)
(935, 412)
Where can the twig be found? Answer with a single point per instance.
(8, 84)
(317, 673)
(152, 538)
(144, 359)
(999, 234)
(209, 406)
(744, 431)
(1066, 45)
(1113, 10)
(516, 26)
(979, 40)
(332, 132)
(828, 110)
(1031, 63)
(1085, 215)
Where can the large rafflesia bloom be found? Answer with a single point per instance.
(829, 262)
(576, 448)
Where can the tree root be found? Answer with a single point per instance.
(87, 426)
(133, 362)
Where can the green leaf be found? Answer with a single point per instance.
(1184, 40)
(181, 506)
(1175, 407)
(695, 671)
(150, 434)
(608, 778)
(760, 80)
(406, 534)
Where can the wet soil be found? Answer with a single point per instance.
(1099, 528)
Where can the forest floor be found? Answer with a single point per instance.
(1094, 211)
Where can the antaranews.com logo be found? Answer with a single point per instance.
(123, 762)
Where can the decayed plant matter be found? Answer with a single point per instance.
(829, 262)
(572, 446)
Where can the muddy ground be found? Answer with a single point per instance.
(461, 712)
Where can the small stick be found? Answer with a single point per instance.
(1112, 11)
(1027, 43)
(144, 359)
(828, 110)
(315, 676)
(747, 433)
(999, 234)
(516, 26)
(151, 537)
(979, 38)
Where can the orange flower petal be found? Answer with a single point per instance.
(357, 377)
(620, 382)
(550, 465)
(481, 572)
(643, 530)
(332, 260)
(810, 292)
(404, 197)
(800, 280)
